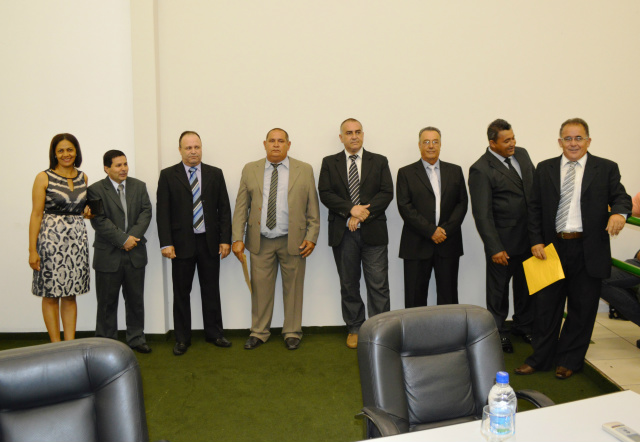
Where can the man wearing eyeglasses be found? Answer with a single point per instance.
(569, 207)
(432, 200)
(500, 184)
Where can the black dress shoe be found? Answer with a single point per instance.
(252, 343)
(507, 346)
(219, 342)
(292, 343)
(180, 348)
(142, 348)
(527, 337)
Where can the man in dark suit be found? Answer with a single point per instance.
(500, 185)
(356, 187)
(194, 226)
(570, 208)
(432, 200)
(120, 251)
(282, 235)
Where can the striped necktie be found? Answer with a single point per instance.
(273, 196)
(565, 197)
(198, 216)
(123, 201)
(354, 181)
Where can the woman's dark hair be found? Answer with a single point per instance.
(53, 160)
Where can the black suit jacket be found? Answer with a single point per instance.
(109, 225)
(175, 210)
(417, 206)
(499, 203)
(376, 188)
(601, 188)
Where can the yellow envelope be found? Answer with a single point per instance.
(541, 273)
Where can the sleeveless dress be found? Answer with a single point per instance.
(63, 245)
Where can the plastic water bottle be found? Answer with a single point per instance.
(502, 404)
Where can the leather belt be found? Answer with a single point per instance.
(569, 235)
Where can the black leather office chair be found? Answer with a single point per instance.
(428, 367)
(82, 390)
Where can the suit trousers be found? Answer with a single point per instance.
(497, 285)
(581, 293)
(108, 285)
(619, 291)
(264, 270)
(349, 256)
(417, 273)
(182, 272)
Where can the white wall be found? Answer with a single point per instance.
(234, 70)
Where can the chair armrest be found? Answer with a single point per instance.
(535, 397)
(380, 423)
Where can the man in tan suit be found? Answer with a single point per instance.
(284, 233)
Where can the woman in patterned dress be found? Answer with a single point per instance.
(58, 245)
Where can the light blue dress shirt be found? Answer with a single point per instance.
(282, 203)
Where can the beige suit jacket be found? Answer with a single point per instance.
(304, 211)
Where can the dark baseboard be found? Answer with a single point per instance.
(168, 336)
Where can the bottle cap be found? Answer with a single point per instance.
(502, 377)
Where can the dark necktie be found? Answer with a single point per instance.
(198, 216)
(354, 181)
(123, 201)
(513, 171)
(565, 197)
(273, 197)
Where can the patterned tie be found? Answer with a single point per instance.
(354, 181)
(198, 216)
(273, 196)
(565, 197)
(513, 171)
(123, 201)
(433, 177)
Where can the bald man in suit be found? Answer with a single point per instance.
(277, 218)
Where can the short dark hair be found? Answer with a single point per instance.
(53, 160)
(108, 157)
(185, 133)
(277, 128)
(572, 121)
(496, 127)
(430, 128)
(349, 119)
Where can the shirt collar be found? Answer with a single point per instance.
(582, 161)
(284, 163)
(124, 183)
(426, 165)
(359, 154)
(498, 156)
(187, 167)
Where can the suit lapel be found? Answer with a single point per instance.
(421, 174)
(554, 171)
(445, 178)
(341, 165)
(294, 172)
(258, 174)
(112, 193)
(590, 172)
(365, 167)
(181, 176)
(527, 173)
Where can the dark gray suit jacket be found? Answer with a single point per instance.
(416, 204)
(109, 225)
(499, 203)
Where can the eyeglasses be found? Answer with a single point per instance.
(434, 142)
(576, 139)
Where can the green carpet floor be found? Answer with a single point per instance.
(273, 394)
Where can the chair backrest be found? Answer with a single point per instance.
(82, 390)
(429, 366)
